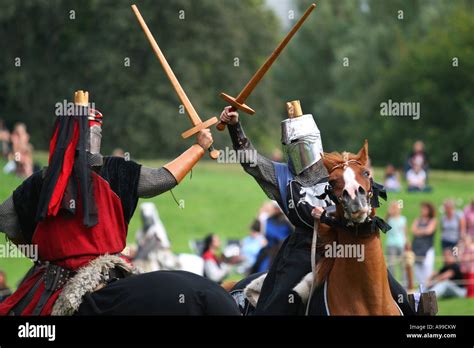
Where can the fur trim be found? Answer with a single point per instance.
(303, 288)
(252, 290)
(86, 280)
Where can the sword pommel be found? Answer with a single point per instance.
(294, 109)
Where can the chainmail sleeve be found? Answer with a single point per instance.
(9, 223)
(154, 181)
(261, 168)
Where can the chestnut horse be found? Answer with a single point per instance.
(351, 284)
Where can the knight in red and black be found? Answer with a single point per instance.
(77, 211)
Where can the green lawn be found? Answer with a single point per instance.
(223, 199)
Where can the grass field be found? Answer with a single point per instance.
(223, 199)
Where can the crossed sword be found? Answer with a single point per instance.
(198, 125)
(237, 102)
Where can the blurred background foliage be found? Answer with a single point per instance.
(403, 59)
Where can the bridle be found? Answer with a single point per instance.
(375, 191)
(330, 190)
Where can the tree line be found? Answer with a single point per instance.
(349, 58)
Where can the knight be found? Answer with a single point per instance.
(298, 186)
(77, 211)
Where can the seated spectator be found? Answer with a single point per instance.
(214, 268)
(452, 226)
(449, 281)
(416, 178)
(469, 220)
(251, 246)
(4, 289)
(417, 156)
(396, 241)
(392, 179)
(4, 140)
(424, 228)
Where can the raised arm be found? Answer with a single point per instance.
(260, 167)
(155, 181)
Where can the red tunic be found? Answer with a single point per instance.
(65, 241)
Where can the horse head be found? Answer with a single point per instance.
(350, 184)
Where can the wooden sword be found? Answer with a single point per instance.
(191, 112)
(239, 101)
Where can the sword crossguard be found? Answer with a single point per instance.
(238, 106)
(213, 153)
(206, 124)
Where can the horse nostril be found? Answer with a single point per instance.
(361, 190)
(345, 194)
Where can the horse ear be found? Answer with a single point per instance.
(327, 161)
(363, 155)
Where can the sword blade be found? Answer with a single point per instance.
(192, 114)
(243, 95)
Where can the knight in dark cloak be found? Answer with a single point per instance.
(77, 211)
(295, 186)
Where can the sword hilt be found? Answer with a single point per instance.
(221, 125)
(236, 105)
(213, 153)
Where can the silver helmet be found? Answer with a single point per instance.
(301, 139)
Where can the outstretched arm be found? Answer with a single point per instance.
(155, 181)
(9, 223)
(260, 167)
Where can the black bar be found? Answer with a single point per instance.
(257, 330)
